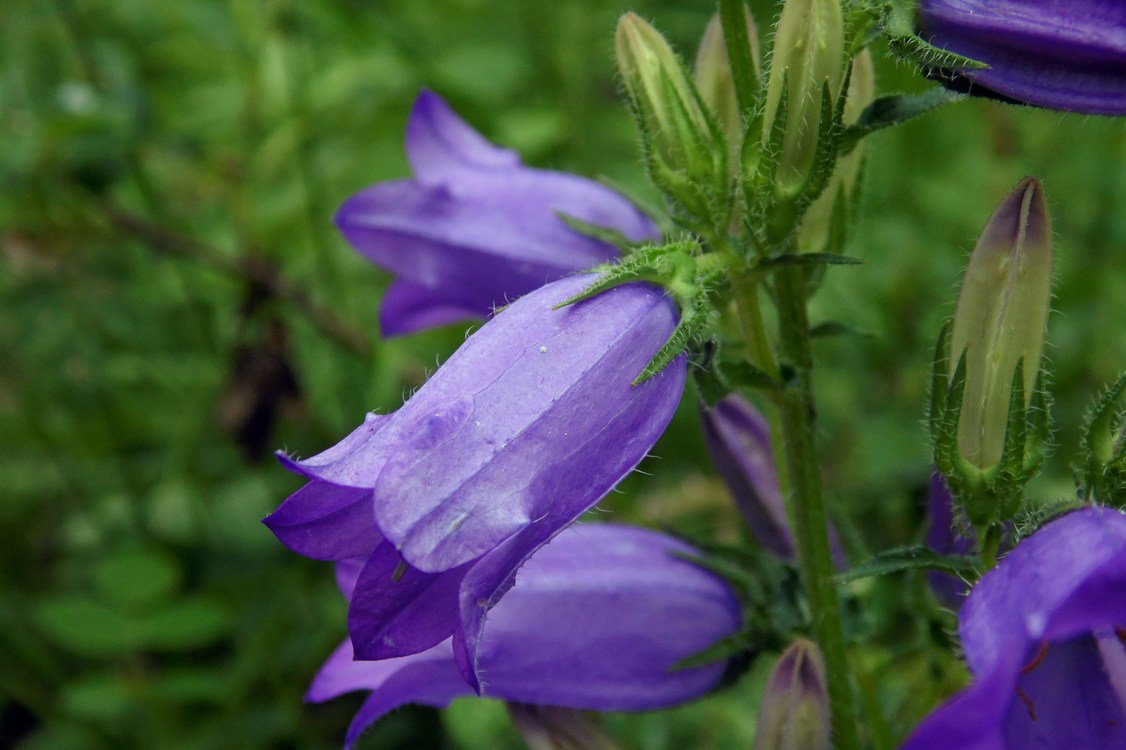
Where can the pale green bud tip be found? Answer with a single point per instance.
(714, 79)
(652, 72)
(1001, 318)
(808, 55)
(795, 703)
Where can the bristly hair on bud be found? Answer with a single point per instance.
(808, 58)
(1001, 317)
(795, 702)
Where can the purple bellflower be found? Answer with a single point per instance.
(1060, 54)
(529, 424)
(475, 229)
(597, 620)
(1042, 636)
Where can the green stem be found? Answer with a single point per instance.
(807, 507)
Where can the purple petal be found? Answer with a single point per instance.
(475, 229)
(340, 460)
(596, 620)
(407, 307)
(429, 679)
(944, 537)
(1061, 55)
(599, 617)
(397, 610)
(441, 145)
(739, 440)
(326, 522)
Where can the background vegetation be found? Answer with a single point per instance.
(175, 304)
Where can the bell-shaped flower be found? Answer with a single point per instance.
(475, 228)
(1042, 636)
(598, 619)
(529, 424)
(1060, 55)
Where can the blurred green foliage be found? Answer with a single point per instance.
(176, 304)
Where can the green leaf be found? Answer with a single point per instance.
(908, 558)
(183, 626)
(137, 579)
(722, 650)
(83, 625)
(835, 328)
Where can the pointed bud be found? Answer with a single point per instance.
(715, 81)
(795, 703)
(833, 205)
(1000, 320)
(808, 56)
(660, 92)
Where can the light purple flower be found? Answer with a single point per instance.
(596, 620)
(1042, 636)
(529, 424)
(475, 229)
(1060, 54)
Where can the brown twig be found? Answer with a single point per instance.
(250, 265)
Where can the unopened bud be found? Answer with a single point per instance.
(1000, 319)
(715, 81)
(817, 224)
(795, 702)
(808, 56)
(660, 91)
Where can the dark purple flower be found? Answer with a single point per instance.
(1042, 635)
(597, 620)
(947, 537)
(529, 424)
(474, 228)
(1060, 54)
(738, 438)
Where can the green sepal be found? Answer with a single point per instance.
(697, 314)
(893, 110)
(1104, 449)
(899, 25)
(600, 233)
(940, 384)
(915, 557)
(740, 375)
(658, 264)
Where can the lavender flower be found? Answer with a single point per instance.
(1042, 637)
(597, 620)
(1060, 55)
(475, 228)
(530, 423)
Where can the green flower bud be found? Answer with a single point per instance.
(1001, 318)
(816, 230)
(795, 703)
(661, 93)
(715, 82)
(808, 56)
